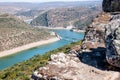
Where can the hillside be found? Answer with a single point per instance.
(14, 33)
(63, 17)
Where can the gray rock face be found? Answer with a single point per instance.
(111, 5)
(112, 37)
(69, 67)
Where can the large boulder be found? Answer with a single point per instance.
(112, 38)
(111, 5)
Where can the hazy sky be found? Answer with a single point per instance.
(41, 0)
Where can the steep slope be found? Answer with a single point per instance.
(14, 33)
(63, 17)
(112, 38)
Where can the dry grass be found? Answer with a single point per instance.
(14, 33)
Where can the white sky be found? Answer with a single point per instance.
(42, 0)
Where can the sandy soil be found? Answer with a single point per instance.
(28, 46)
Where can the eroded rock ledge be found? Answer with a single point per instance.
(69, 67)
(112, 38)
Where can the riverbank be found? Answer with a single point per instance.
(67, 28)
(29, 53)
(80, 31)
(27, 46)
(24, 68)
(62, 28)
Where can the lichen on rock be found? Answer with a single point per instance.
(112, 37)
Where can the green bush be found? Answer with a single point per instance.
(23, 70)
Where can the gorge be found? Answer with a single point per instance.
(96, 57)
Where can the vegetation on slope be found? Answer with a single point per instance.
(40, 20)
(23, 70)
(63, 17)
(14, 33)
(30, 13)
(80, 24)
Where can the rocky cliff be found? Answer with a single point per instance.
(112, 38)
(105, 32)
(112, 32)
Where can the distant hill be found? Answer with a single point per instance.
(63, 17)
(14, 33)
(29, 14)
(15, 7)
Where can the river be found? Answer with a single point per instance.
(67, 38)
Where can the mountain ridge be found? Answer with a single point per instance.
(63, 17)
(14, 8)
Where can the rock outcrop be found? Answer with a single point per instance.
(105, 32)
(94, 36)
(69, 67)
(112, 37)
(111, 5)
(105, 35)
